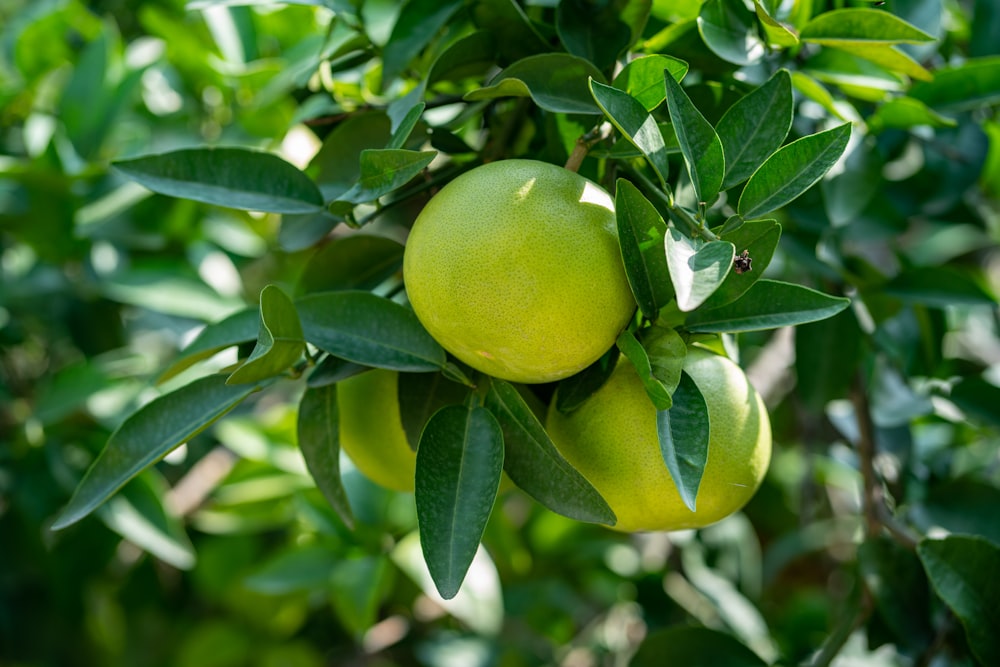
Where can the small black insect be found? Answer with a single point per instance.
(741, 263)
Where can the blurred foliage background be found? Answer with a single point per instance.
(886, 417)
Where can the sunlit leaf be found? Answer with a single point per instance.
(279, 339)
(640, 233)
(683, 432)
(700, 145)
(768, 304)
(635, 124)
(557, 82)
(697, 268)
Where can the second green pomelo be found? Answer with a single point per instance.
(514, 267)
(612, 440)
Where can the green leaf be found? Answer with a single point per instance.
(640, 232)
(849, 192)
(759, 239)
(897, 581)
(827, 358)
(845, 28)
(965, 573)
(139, 514)
(279, 340)
(754, 127)
(697, 268)
(332, 370)
(557, 82)
(459, 461)
(576, 389)
(633, 350)
(700, 145)
(778, 33)
(892, 59)
(240, 327)
(149, 434)
(406, 124)
(939, 287)
(635, 124)
(417, 24)
(792, 170)
(730, 31)
(683, 435)
(370, 330)
(768, 304)
(600, 32)
(693, 647)
(230, 177)
(318, 430)
(903, 113)
(642, 78)
(467, 57)
(355, 262)
(973, 84)
(536, 466)
(384, 170)
(516, 36)
(977, 398)
(299, 569)
(423, 394)
(666, 351)
(357, 584)
(962, 504)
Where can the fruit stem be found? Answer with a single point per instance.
(666, 199)
(584, 143)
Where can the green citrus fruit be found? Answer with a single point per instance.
(514, 267)
(611, 439)
(371, 430)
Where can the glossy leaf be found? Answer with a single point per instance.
(633, 350)
(759, 239)
(385, 170)
(847, 27)
(640, 233)
(459, 462)
(401, 132)
(536, 466)
(418, 22)
(358, 261)
(279, 339)
(695, 647)
(635, 124)
(755, 126)
(776, 32)
(768, 304)
(730, 31)
(697, 268)
(666, 351)
(420, 396)
(965, 573)
(642, 78)
(700, 145)
(231, 177)
(556, 82)
(576, 389)
(370, 330)
(682, 432)
(240, 327)
(599, 33)
(973, 84)
(149, 434)
(792, 170)
(318, 430)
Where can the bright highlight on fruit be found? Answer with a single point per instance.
(514, 267)
(611, 439)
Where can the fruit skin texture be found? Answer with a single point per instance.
(611, 439)
(371, 430)
(514, 267)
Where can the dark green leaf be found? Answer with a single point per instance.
(635, 124)
(318, 429)
(148, 435)
(978, 398)
(299, 232)
(536, 466)
(459, 461)
(240, 327)
(357, 584)
(965, 573)
(847, 27)
(642, 78)
(827, 358)
(332, 370)
(697, 268)
(418, 23)
(358, 261)
(730, 31)
(633, 350)
(370, 330)
(557, 82)
(467, 57)
(754, 127)
(693, 647)
(963, 504)
(423, 394)
(576, 389)
(939, 287)
(759, 238)
(640, 233)
(700, 145)
(230, 177)
(337, 165)
(406, 125)
(279, 340)
(846, 194)
(897, 581)
(300, 569)
(516, 37)
(600, 32)
(768, 304)
(792, 170)
(384, 170)
(683, 435)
